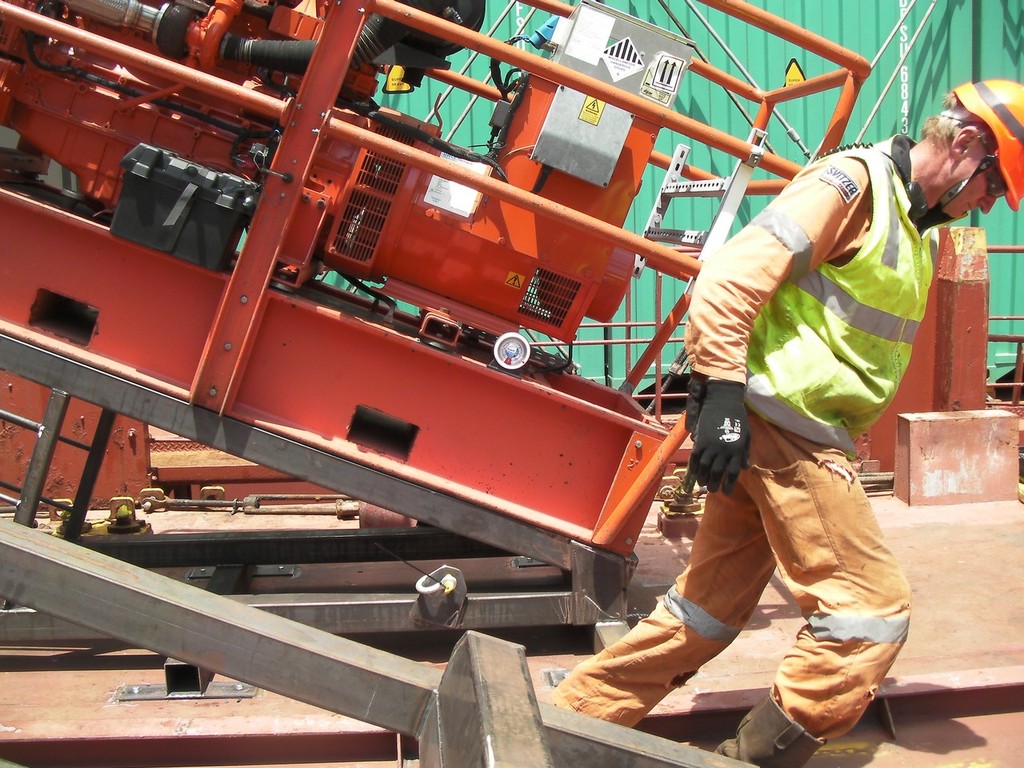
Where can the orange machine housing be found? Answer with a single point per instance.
(521, 268)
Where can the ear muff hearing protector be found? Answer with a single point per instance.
(900, 154)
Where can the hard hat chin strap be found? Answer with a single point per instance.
(937, 215)
(955, 190)
(983, 165)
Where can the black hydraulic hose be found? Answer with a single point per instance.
(282, 55)
(293, 56)
(378, 34)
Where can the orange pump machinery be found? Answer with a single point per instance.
(375, 216)
(186, 124)
(495, 258)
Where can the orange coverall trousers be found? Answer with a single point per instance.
(800, 508)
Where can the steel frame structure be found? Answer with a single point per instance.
(594, 593)
(480, 711)
(543, 468)
(246, 350)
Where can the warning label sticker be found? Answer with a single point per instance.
(592, 110)
(451, 196)
(623, 59)
(794, 75)
(515, 280)
(662, 79)
(589, 36)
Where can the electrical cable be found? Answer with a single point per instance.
(372, 111)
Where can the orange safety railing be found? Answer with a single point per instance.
(853, 70)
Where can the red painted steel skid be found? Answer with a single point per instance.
(548, 450)
(555, 451)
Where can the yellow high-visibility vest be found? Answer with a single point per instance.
(828, 351)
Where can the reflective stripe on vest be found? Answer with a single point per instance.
(761, 397)
(877, 322)
(791, 235)
(828, 350)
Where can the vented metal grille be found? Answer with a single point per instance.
(380, 173)
(377, 181)
(361, 226)
(549, 297)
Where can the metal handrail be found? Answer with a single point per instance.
(1017, 384)
(852, 72)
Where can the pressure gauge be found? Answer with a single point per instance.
(511, 351)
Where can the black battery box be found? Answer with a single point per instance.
(178, 207)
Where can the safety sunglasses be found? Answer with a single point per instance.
(995, 185)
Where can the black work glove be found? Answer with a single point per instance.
(717, 419)
(694, 400)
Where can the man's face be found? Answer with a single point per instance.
(979, 164)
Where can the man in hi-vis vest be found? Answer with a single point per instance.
(799, 332)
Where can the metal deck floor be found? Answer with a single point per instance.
(954, 699)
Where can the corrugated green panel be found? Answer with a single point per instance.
(999, 52)
(920, 50)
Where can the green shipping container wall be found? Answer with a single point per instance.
(919, 50)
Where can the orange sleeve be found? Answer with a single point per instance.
(820, 216)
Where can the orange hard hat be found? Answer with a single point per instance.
(1000, 105)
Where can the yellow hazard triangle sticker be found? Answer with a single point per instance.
(592, 110)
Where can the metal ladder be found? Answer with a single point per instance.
(730, 189)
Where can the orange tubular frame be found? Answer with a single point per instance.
(854, 69)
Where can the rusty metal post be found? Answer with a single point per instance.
(947, 369)
(961, 306)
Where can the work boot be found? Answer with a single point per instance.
(768, 738)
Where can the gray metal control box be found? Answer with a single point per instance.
(582, 135)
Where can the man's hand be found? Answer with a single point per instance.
(717, 418)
